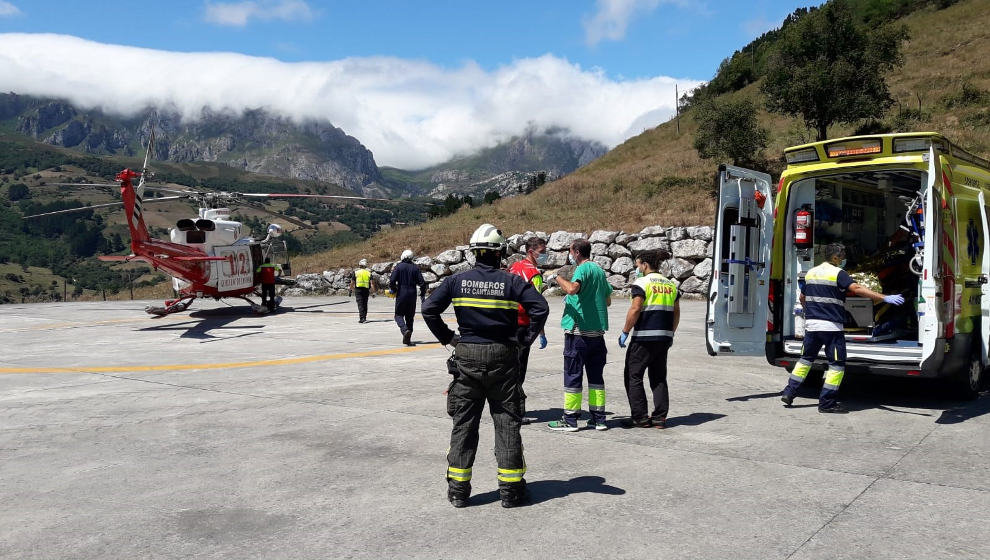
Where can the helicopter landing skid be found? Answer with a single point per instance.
(171, 306)
(263, 309)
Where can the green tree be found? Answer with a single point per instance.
(827, 69)
(492, 196)
(728, 130)
(17, 191)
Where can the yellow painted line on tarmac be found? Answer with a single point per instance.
(226, 365)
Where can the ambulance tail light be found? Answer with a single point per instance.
(772, 304)
(913, 372)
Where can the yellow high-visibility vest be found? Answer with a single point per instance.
(362, 278)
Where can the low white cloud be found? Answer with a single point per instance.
(410, 113)
(7, 9)
(239, 14)
(612, 17)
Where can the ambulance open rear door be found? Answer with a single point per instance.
(931, 311)
(985, 285)
(736, 321)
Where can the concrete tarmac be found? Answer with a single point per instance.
(216, 433)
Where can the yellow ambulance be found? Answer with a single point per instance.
(911, 210)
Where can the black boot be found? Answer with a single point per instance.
(407, 337)
(458, 493)
(514, 494)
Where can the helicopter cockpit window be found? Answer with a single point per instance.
(195, 236)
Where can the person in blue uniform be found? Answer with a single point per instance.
(405, 278)
(823, 297)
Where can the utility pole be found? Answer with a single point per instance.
(677, 109)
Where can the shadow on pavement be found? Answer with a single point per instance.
(309, 308)
(892, 394)
(754, 396)
(548, 415)
(545, 490)
(973, 409)
(203, 321)
(693, 419)
(556, 414)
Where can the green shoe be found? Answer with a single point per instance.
(561, 426)
(600, 426)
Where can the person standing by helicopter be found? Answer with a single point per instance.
(268, 273)
(403, 282)
(362, 287)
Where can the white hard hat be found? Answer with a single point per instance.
(407, 255)
(487, 237)
(363, 262)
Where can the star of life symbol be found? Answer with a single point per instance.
(973, 238)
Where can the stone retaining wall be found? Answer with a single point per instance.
(690, 264)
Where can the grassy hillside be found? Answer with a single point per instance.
(658, 178)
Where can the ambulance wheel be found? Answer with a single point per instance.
(966, 383)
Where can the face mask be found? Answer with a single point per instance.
(842, 263)
(570, 259)
(542, 259)
(639, 273)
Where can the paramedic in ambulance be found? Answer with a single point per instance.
(823, 297)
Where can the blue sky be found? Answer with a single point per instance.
(415, 81)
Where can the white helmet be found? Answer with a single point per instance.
(487, 237)
(363, 262)
(407, 255)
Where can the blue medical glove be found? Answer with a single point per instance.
(543, 341)
(622, 339)
(895, 299)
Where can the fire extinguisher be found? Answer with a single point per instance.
(803, 227)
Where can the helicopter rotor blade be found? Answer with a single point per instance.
(84, 184)
(151, 145)
(176, 191)
(289, 219)
(288, 195)
(144, 167)
(146, 187)
(107, 205)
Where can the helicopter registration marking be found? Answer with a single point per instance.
(227, 365)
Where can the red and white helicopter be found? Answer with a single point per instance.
(206, 256)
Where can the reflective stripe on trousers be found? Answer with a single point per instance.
(460, 475)
(511, 475)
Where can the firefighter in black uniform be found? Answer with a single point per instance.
(405, 278)
(485, 363)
